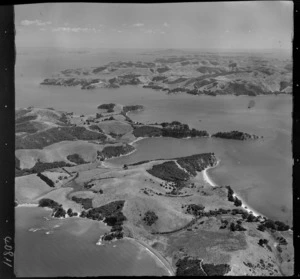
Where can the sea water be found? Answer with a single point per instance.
(259, 171)
(47, 247)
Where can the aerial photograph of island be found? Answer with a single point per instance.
(154, 139)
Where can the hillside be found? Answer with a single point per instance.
(47, 139)
(185, 222)
(210, 74)
(60, 162)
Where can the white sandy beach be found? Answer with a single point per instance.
(206, 177)
(27, 205)
(244, 205)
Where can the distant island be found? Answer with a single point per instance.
(197, 75)
(236, 135)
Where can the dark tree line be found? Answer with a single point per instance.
(46, 179)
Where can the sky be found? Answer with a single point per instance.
(203, 25)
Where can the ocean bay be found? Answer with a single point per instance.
(247, 167)
(259, 171)
(68, 248)
(269, 161)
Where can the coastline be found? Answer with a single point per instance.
(141, 138)
(137, 139)
(207, 178)
(127, 154)
(114, 157)
(154, 253)
(248, 208)
(244, 205)
(27, 205)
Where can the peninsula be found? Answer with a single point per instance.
(166, 204)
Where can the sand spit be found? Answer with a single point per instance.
(207, 178)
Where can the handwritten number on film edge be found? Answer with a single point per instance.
(8, 251)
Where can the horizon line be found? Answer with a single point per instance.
(162, 48)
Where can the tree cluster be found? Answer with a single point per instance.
(106, 106)
(71, 213)
(197, 163)
(85, 202)
(46, 179)
(150, 218)
(236, 135)
(273, 225)
(232, 198)
(57, 212)
(111, 213)
(236, 227)
(48, 203)
(195, 209)
(114, 151)
(263, 242)
(168, 171)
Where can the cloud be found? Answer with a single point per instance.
(166, 24)
(36, 22)
(138, 24)
(116, 30)
(75, 29)
(149, 31)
